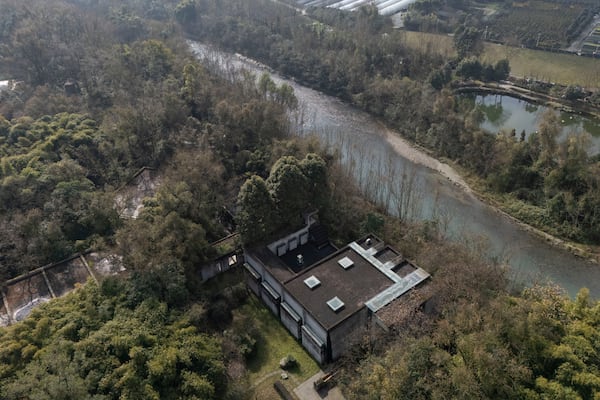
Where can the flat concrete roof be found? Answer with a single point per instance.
(354, 286)
(274, 264)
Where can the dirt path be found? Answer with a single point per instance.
(578, 42)
(265, 377)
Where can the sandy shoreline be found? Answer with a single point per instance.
(407, 150)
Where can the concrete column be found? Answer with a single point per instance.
(84, 261)
(8, 311)
(48, 284)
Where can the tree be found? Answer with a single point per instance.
(289, 189)
(185, 12)
(573, 92)
(52, 375)
(502, 69)
(315, 170)
(467, 41)
(255, 217)
(470, 68)
(548, 133)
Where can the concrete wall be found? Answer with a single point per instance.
(270, 297)
(291, 320)
(274, 283)
(257, 265)
(221, 265)
(291, 301)
(314, 327)
(289, 242)
(313, 345)
(253, 281)
(347, 333)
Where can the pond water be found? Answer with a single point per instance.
(504, 113)
(411, 189)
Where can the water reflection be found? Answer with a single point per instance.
(505, 113)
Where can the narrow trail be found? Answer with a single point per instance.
(265, 377)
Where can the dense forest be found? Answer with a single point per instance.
(106, 87)
(102, 89)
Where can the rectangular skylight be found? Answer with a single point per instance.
(346, 262)
(312, 282)
(335, 304)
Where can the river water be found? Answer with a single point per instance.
(386, 176)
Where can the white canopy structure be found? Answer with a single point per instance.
(385, 7)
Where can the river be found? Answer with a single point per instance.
(384, 166)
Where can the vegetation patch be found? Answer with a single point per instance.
(534, 24)
(560, 68)
(275, 342)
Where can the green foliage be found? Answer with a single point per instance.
(151, 57)
(467, 41)
(185, 12)
(338, 52)
(50, 188)
(472, 68)
(163, 234)
(256, 217)
(557, 180)
(544, 24)
(288, 187)
(292, 187)
(68, 349)
(538, 345)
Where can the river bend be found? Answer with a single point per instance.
(384, 169)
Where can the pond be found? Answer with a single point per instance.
(504, 113)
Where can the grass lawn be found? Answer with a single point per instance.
(276, 342)
(439, 44)
(565, 69)
(266, 391)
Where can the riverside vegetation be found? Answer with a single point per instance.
(361, 59)
(143, 100)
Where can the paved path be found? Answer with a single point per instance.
(306, 390)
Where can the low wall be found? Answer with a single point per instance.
(23, 293)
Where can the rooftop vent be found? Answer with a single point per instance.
(346, 262)
(300, 259)
(312, 282)
(368, 241)
(335, 304)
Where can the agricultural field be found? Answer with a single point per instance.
(566, 69)
(533, 23)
